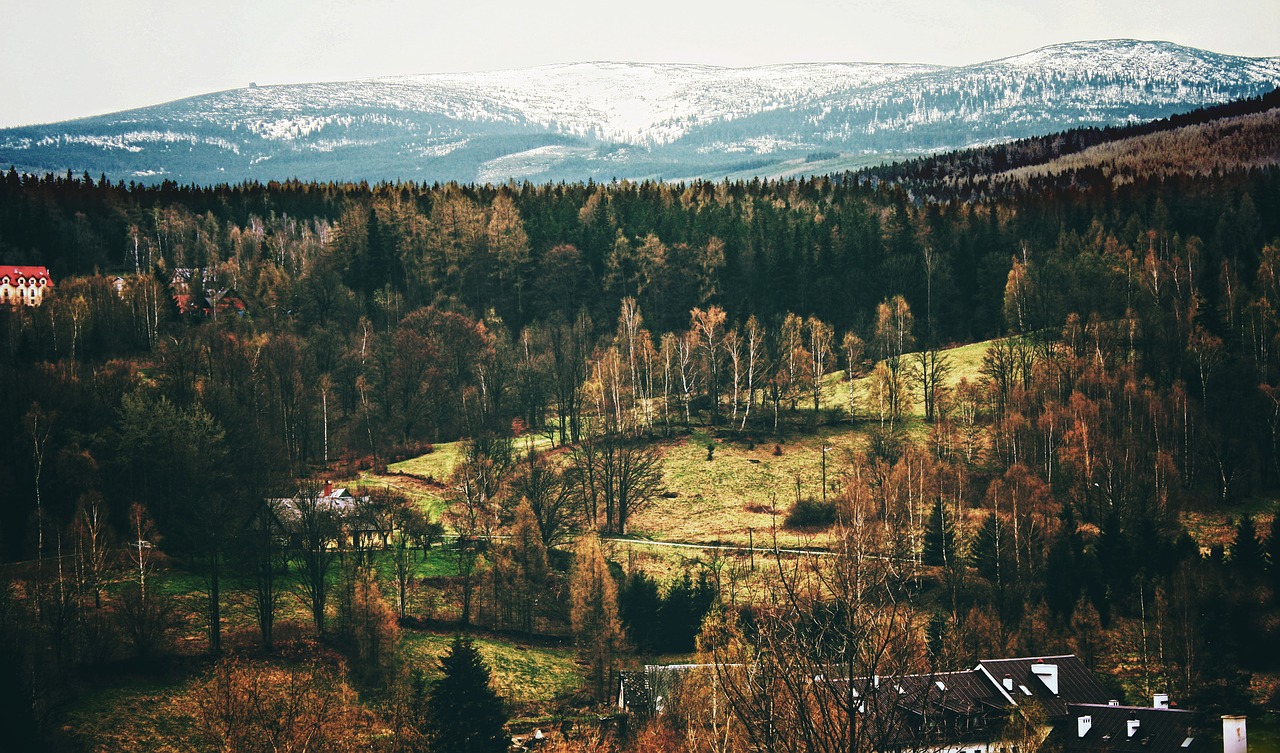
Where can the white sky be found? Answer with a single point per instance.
(62, 59)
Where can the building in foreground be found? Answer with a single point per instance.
(1017, 705)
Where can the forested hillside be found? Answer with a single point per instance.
(1134, 381)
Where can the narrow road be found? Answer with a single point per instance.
(721, 547)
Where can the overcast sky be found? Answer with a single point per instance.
(62, 59)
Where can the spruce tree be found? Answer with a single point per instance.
(464, 714)
(1246, 551)
(939, 537)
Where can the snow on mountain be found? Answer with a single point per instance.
(605, 120)
(626, 102)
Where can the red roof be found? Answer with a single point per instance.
(28, 273)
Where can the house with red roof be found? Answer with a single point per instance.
(26, 286)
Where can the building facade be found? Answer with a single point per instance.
(24, 286)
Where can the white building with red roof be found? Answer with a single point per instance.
(24, 285)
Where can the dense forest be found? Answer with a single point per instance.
(1136, 376)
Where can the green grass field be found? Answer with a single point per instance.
(527, 676)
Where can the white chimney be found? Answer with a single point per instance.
(1083, 725)
(1160, 701)
(1048, 674)
(1234, 739)
(1132, 727)
(1008, 683)
(1113, 702)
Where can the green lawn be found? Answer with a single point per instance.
(529, 677)
(437, 464)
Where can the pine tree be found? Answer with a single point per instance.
(464, 714)
(940, 538)
(1246, 551)
(638, 604)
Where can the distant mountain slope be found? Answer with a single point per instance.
(607, 120)
(1233, 137)
(1243, 142)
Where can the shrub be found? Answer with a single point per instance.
(811, 513)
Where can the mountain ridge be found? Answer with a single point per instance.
(605, 120)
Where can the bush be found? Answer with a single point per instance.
(811, 513)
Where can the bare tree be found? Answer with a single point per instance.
(819, 341)
(262, 554)
(314, 528)
(852, 348)
(709, 328)
(477, 486)
(148, 614)
(550, 496)
(753, 343)
(894, 338)
(39, 426)
(830, 637)
(93, 539)
(932, 367)
(616, 476)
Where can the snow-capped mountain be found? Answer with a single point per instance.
(623, 120)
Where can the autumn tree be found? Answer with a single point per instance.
(373, 630)
(510, 244)
(520, 572)
(709, 326)
(593, 597)
(252, 707)
(819, 339)
(893, 339)
(852, 351)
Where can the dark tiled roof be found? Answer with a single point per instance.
(1076, 684)
(967, 692)
(1159, 730)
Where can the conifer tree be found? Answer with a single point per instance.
(594, 614)
(464, 714)
(940, 537)
(1246, 551)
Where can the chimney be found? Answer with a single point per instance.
(1132, 727)
(328, 489)
(1234, 739)
(1160, 701)
(1113, 702)
(1008, 683)
(1048, 674)
(1083, 725)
